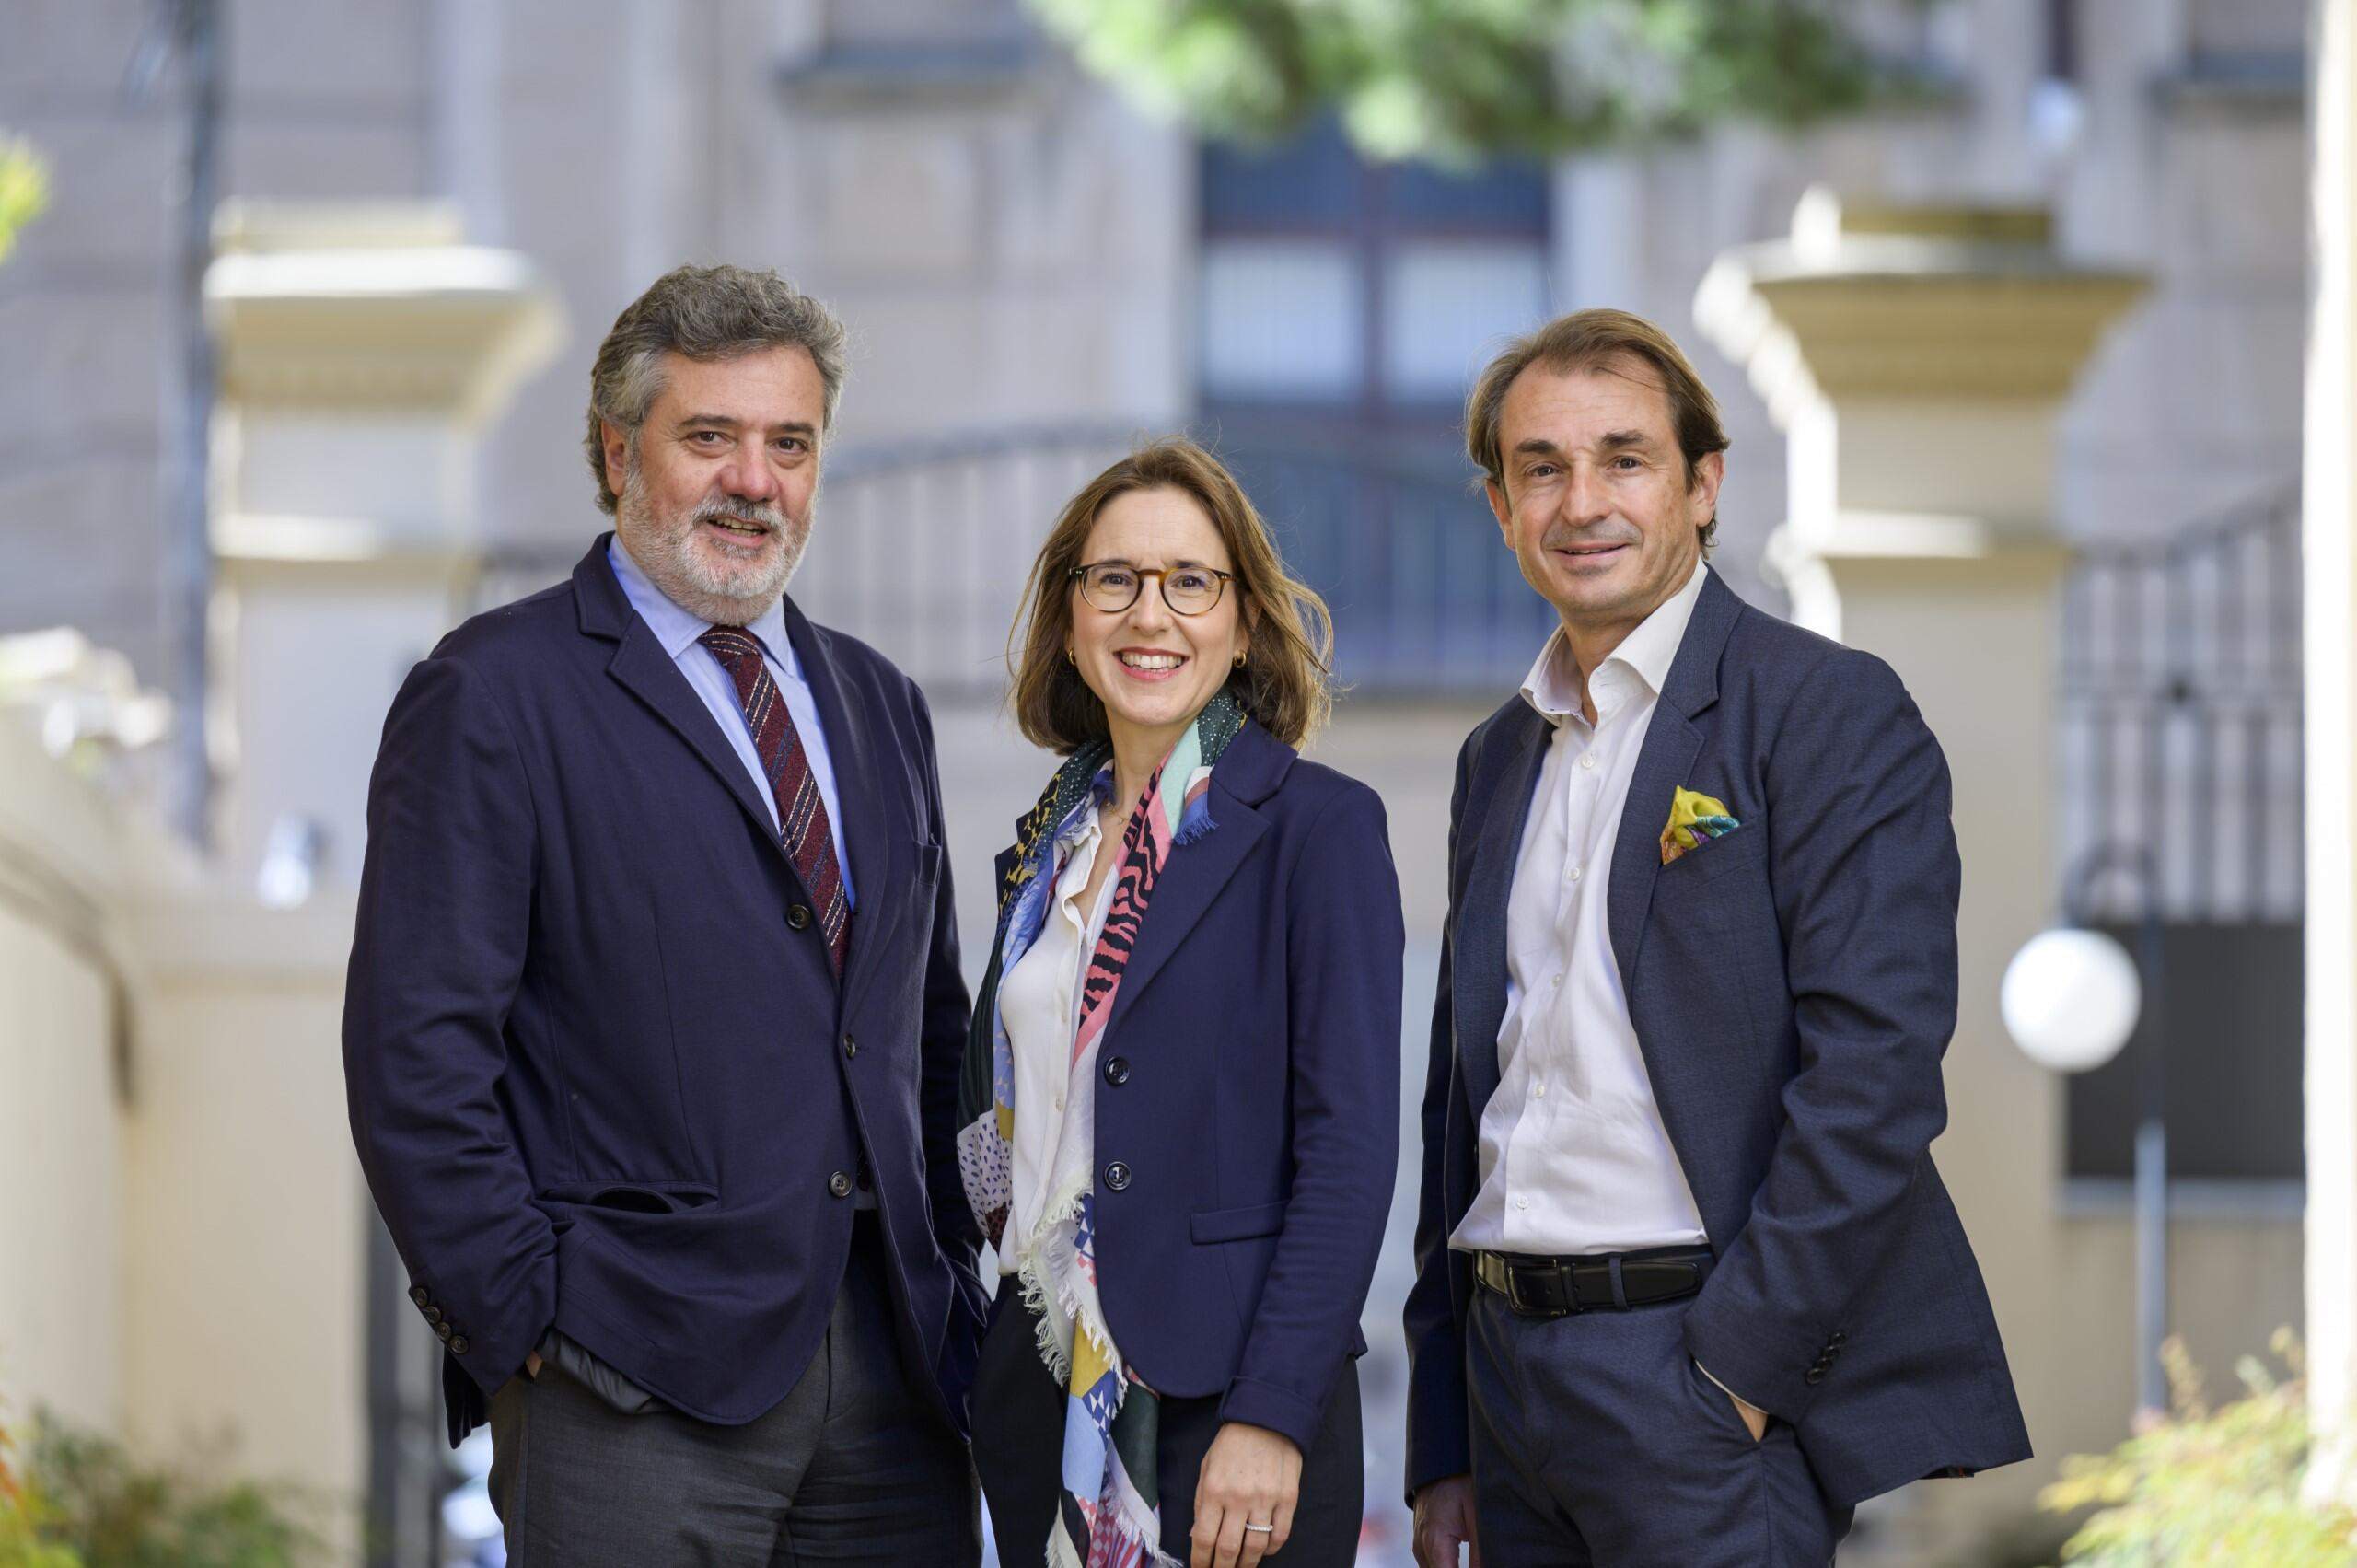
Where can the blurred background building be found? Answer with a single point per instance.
(2015, 399)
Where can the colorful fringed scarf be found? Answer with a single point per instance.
(1110, 1513)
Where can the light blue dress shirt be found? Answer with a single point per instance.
(677, 630)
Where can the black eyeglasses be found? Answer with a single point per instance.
(1114, 585)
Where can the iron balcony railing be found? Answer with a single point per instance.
(2180, 713)
(924, 554)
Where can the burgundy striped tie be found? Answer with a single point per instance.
(802, 813)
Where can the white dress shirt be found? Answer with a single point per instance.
(1574, 1157)
(676, 629)
(1038, 1001)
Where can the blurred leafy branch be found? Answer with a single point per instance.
(1452, 81)
(78, 1500)
(2204, 1486)
(24, 190)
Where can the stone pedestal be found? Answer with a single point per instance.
(1918, 359)
(364, 349)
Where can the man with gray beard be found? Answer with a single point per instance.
(654, 1021)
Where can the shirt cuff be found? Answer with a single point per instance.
(1723, 1389)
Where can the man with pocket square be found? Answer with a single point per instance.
(654, 1022)
(1689, 1286)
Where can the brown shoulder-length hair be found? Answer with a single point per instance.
(1285, 682)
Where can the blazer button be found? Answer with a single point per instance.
(1117, 1177)
(417, 1296)
(433, 1315)
(850, 1046)
(798, 916)
(1838, 1340)
(443, 1330)
(840, 1184)
(1117, 1071)
(459, 1345)
(1813, 1376)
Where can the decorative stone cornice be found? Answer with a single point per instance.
(378, 308)
(1917, 303)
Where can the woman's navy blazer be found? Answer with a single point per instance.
(1247, 1095)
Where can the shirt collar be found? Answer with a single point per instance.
(1552, 687)
(677, 629)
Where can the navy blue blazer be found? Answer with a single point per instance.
(600, 1072)
(1792, 986)
(1247, 1095)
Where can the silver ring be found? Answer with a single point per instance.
(1261, 1529)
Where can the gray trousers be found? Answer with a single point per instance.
(1597, 1441)
(855, 1465)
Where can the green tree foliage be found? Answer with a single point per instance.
(23, 191)
(2205, 1488)
(1452, 81)
(83, 1502)
(23, 1515)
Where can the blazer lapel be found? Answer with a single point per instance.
(1663, 763)
(1478, 956)
(870, 836)
(642, 668)
(1254, 763)
(648, 674)
(1190, 880)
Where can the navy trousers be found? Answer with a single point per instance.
(1596, 1440)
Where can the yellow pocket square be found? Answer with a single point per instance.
(1692, 819)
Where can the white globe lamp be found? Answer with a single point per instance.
(2070, 999)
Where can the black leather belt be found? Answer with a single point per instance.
(1556, 1288)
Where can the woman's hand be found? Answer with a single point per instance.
(1252, 1476)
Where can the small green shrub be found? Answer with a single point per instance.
(85, 1502)
(22, 1513)
(2203, 1488)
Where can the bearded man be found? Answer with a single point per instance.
(654, 1020)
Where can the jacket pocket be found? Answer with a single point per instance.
(1714, 858)
(1208, 1225)
(634, 1197)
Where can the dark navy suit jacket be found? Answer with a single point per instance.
(1792, 986)
(600, 1072)
(1249, 1087)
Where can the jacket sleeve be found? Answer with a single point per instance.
(1440, 1441)
(445, 912)
(1863, 859)
(1344, 944)
(943, 1052)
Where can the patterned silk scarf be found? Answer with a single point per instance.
(1110, 1513)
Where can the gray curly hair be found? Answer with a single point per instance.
(704, 313)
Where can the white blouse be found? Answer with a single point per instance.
(1038, 1001)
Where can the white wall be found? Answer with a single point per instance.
(61, 1132)
(244, 1216)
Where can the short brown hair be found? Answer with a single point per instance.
(702, 313)
(1284, 682)
(1597, 339)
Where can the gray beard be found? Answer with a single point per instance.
(663, 552)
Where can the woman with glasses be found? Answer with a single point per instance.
(1180, 1106)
